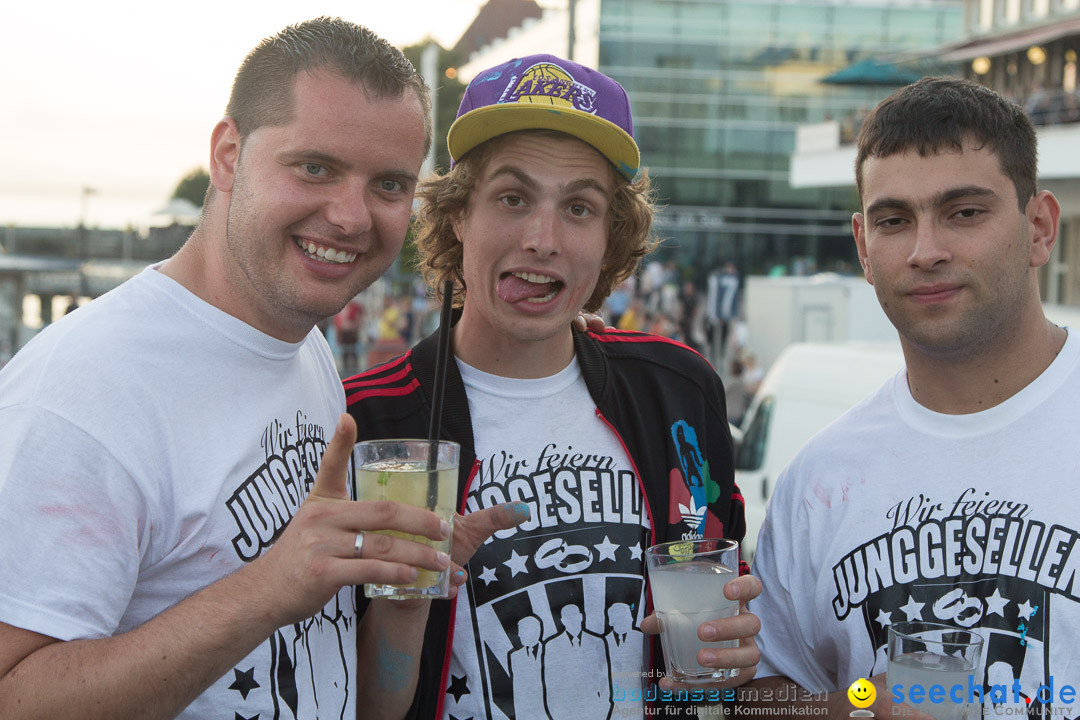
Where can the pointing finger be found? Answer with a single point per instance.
(331, 482)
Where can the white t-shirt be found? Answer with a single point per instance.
(897, 513)
(547, 625)
(153, 444)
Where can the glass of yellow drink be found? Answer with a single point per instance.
(398, 470)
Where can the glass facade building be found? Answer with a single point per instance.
(718, 88)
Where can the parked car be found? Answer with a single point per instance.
(806, 388)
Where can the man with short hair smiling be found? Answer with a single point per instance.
(942, 497)
(176, 534)
(542, 215)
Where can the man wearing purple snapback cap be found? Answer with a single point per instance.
(587, 105)
(613, 440)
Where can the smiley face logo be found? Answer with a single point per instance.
(862, 693)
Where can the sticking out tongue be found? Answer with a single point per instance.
(513, 289)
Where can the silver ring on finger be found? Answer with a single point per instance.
(358, 544)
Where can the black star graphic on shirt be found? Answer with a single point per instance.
(238, 716)
(458, 687)
(244, 683)
(452, 717)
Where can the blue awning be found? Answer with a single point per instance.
(872, 72)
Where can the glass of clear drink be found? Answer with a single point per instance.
(687, 580)
(931, 654)
(397, 470)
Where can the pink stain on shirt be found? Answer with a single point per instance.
(823, 495)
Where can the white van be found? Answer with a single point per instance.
(806, 388)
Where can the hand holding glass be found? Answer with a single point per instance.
(687, 580)
(397, 470)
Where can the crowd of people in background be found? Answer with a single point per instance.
(379, 324)
(708, 318)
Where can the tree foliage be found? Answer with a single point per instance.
(192, 187)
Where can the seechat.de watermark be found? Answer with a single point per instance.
(998, 696)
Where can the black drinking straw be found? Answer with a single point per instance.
(437, 396)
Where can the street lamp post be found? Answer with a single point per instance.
(87, 191)
(573, 38)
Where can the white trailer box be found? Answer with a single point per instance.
(822, 308)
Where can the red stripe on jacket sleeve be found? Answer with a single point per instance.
(361, 381)
(382, 392)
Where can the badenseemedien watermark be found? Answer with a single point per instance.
(787, 701)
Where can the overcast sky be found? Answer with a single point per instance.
(121, 96)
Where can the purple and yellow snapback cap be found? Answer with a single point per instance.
(544, 92)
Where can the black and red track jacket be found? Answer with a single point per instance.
(643, 386)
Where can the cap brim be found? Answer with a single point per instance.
(482, 124)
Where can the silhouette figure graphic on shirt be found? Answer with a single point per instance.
(577, 675)
(526, 670)
(626, 650)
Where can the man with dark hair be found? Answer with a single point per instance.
(939, 498)
(543, 213)
(176, 534)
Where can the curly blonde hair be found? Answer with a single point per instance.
(445, 197)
